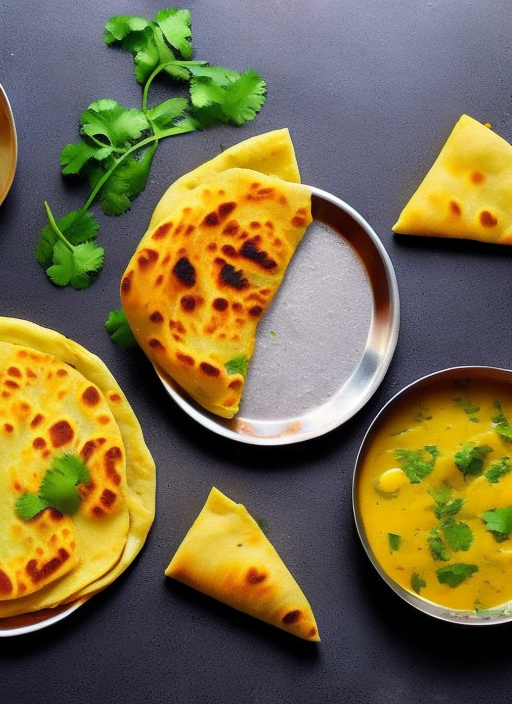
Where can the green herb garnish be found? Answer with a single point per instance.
(118, 144)
(498, 469)
(119, 329)
(455, 574)
(437, 546)
(58, 489)
(237, 365)
(394, 542)
(498, 521)
(417, 582)
(470, 458)
(445, 506)
(501, 424)
(458, 534)
(415, 464)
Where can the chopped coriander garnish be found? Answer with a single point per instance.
(455, 574)
(417, 582)
(118, 143)
(237, 365)
(445, 506)
(394, 541)
(437, 546)
(470, 458)
(415, 464)
(501, 423)
(58, 489)
(498, 469)
(498, 521)
(458, 534)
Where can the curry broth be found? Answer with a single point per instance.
(408, 539)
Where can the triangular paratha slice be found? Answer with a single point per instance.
(202, 278)
(467, 193)
(227, 556)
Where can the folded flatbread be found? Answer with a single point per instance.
(57, 398)
(212, 260)
(468, 191)
(227, 556)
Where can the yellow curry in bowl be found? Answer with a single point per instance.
(433, 494)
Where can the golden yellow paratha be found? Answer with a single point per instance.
(200, 281)
(57, 399)
(271, 153)
(468, 190)
(227, 556)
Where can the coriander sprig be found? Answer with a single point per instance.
(58, 489)
(117, 144)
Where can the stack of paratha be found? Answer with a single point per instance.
(212, 259)
(58, 399)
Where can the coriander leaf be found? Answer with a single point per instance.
(458, 534)
(59, 485)
(121, 27)
(74, 265)
(498, 521)
(394, 542)
(501, 424)
(149, 44)
(498, 469)
(176, 28)
(125, 183)
(237, 365)
(417, 582)
(415, 464)
(445, 506)
(29, 505)
(232, 98)
(437, 547)
(76, 227)
(470, 458)
(106, 122)
(73, 467)
(119, 330)
(74, 157)
(164, 115)
(455, 574)
(465, 403)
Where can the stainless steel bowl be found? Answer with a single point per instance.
(499, 614)
(8, 146)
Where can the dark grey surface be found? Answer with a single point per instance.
(370, 91)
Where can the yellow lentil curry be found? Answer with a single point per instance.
(434, 493)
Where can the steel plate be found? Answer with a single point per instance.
(326, 341)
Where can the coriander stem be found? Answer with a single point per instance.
(160, 68)
(56, 229)
(136, 147)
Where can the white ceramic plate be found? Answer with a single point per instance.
(326, 342)
(28, 623)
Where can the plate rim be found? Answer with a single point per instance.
(37, 620)
(240, 428)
